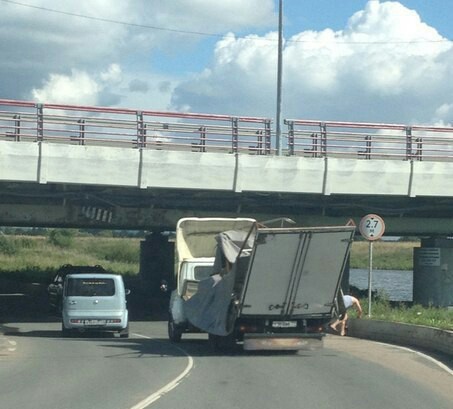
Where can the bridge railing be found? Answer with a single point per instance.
(84, 125)
(87, 125)
(369, 140)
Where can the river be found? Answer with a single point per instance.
(397, 284)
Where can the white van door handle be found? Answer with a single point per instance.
(72, 302)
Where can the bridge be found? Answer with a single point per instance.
(84, 166)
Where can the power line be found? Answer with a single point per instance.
(206, 34)
(107, 20)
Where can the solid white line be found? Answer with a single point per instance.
(12, 347)
(169, 386)
(429, 358)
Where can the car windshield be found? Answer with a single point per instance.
(90, 287)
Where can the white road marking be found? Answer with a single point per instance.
(12, 344)
(169, 386)
(421, 354)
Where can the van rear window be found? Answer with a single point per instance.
(90, 287)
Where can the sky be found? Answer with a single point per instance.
(345, 60)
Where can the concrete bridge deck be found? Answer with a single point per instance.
(142, 168)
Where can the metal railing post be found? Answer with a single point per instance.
(314, 146)
(202, 138)
(259, 142)
(140, 130)
(408, 143)
(267, 136)
(290, 137)
(367, 152)
(39, 122)
(17, 128)
(235, 135)
(419, 151)
(323, 150)
(81, 123)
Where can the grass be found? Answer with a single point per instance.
(381, 309)
(387, 255)
(37, 258)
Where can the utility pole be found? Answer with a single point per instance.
(278, 141)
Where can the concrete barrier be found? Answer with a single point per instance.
(428, 338)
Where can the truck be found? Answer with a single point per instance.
(262, 288)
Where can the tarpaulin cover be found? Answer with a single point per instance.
(210, 309)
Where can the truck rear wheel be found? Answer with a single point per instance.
(174, 332)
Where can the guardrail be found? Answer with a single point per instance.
(433, 339)
(87, 125)
(369, 140)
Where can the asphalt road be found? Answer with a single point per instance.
(39, 369)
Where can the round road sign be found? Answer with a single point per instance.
(372, 227)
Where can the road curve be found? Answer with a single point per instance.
(44, 370)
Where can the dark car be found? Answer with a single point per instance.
(55, 288)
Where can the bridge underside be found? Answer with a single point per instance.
(62, 205)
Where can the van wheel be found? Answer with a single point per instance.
(66, 332)
(124, 333)
(174, 332)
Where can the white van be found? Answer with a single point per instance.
(95, 302)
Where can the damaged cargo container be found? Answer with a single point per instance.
(259, 287)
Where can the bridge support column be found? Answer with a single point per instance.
(433, 272)
(156, 265)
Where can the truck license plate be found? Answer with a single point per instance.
(284, 324)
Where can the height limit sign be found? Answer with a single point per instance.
(372, 227)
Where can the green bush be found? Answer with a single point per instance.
(7, 246)
(61, 238)
(118, 251)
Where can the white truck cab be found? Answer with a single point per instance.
(192, 271)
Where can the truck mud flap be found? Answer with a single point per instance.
(283, 342)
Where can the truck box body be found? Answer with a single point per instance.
(271, 288)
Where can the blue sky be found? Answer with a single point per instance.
(321, 14)
(352, 60)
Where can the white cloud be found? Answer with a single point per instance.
(78, 88)
(38, 43)
(386, 65)
(106, 88)
(113, 74)
(444, 114)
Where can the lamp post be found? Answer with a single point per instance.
(278, 142)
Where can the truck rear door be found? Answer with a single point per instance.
(295, 272)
